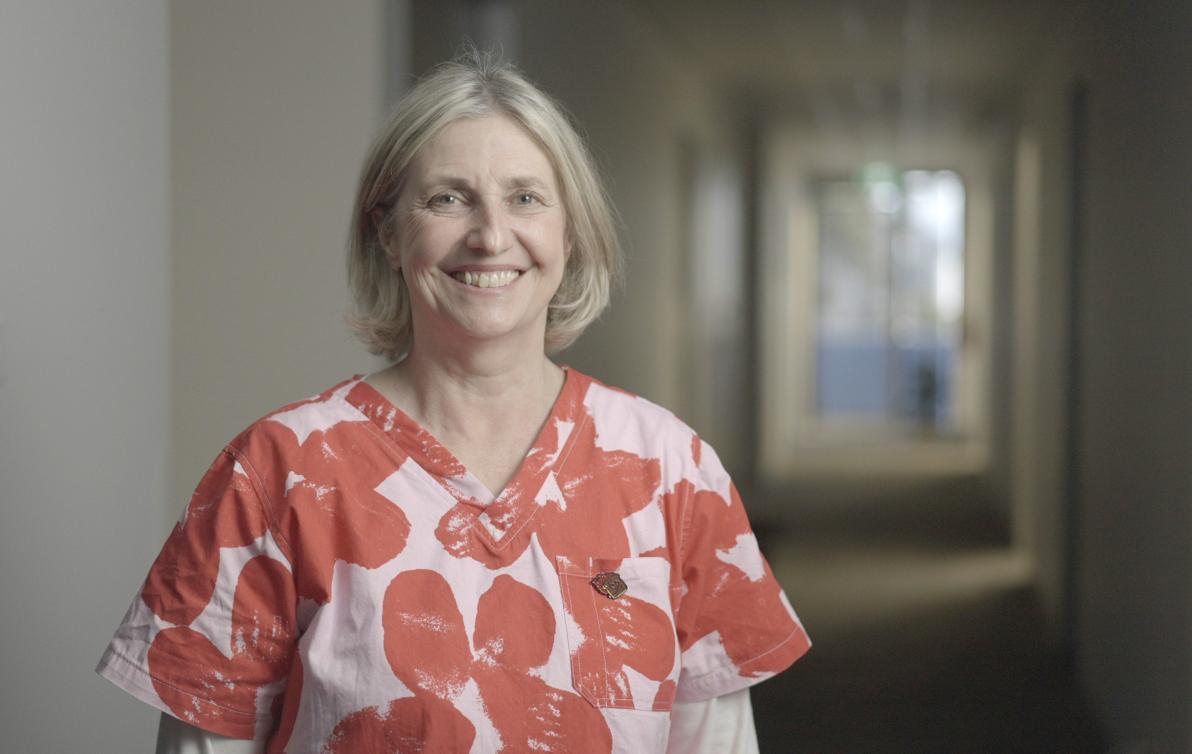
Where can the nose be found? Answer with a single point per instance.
(490, 232)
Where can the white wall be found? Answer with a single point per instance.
(274, 104)
(84, 357)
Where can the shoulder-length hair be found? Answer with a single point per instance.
(475, 85)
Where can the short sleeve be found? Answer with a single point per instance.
(210, 637)
(735, 625)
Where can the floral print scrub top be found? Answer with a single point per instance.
(339, 582)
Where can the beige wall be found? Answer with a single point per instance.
(84, 358)
(148, 314)
(1135, 611)
(1132, 606)
(273, 106)
(1041, 323)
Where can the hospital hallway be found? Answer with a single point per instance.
(918, 274)
(926, 637)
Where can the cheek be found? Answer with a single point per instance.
(554, 245)
(411, 231)
(418, 244)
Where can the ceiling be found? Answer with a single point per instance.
(879, 59)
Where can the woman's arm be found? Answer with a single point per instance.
(723, 725)
(177, 737)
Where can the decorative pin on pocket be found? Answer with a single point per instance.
(610, 584)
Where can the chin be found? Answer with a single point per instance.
(497, 330)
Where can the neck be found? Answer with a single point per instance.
(473, 389)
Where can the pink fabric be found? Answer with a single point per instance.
(339, 582)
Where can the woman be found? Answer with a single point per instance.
(474, 549)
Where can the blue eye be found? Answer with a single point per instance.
(526, 198)
(445, 200)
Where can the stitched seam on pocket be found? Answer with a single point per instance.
(573, 654)
(608, 690)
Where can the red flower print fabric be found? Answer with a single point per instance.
(340, 582)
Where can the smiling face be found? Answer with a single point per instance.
(481, 237)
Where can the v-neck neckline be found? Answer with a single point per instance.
(511, 508)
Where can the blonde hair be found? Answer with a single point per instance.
(474, 85)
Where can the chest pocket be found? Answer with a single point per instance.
(624, 651)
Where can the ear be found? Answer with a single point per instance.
(394, 259)
(376, 216)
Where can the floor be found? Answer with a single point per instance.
(927, 638)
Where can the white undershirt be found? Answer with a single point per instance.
(723, 725)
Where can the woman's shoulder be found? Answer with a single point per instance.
(317, 424)
(616, 403)
(627, 421)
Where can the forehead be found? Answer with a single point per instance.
(491, 145)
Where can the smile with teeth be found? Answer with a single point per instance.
(496, 279)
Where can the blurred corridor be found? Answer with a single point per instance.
(930, 637)
(919, 271)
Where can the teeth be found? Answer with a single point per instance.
(487, 279)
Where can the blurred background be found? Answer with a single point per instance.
(921, 271)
